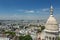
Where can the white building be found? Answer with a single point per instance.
(59, 27)
(51, 31)
(51, 27)
(4, 38)
(59, 30)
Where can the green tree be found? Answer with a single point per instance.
(10, 33)
(42, 28)
(58, 38)
(26, 37)
(21, 37)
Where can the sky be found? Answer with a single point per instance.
(28, 9)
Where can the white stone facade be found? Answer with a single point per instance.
(51, 27)
(59, 30)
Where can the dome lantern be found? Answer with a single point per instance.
(51, 10)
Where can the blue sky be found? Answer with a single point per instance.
(28, 9)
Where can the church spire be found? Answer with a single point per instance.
(51, 10)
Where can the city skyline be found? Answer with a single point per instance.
(28, 9)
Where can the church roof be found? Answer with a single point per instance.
(51, 23)
(51, 20)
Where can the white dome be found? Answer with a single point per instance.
(51, 23)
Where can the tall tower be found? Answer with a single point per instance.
(51, 27)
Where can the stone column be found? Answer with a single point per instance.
(46, 38)
(51, 38)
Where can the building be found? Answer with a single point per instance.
(4, 38)
(51, 27)
(59, 30)
(51, 31)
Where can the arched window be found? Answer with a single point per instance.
(39, 38)
(49, 38)
(53, 38)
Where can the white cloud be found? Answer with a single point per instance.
(35, 11)
(29, 11)
(45, 10)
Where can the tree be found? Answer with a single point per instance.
(58, 38)
(10, 33)
(26, 37)
(21, 37)
(42, 28)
